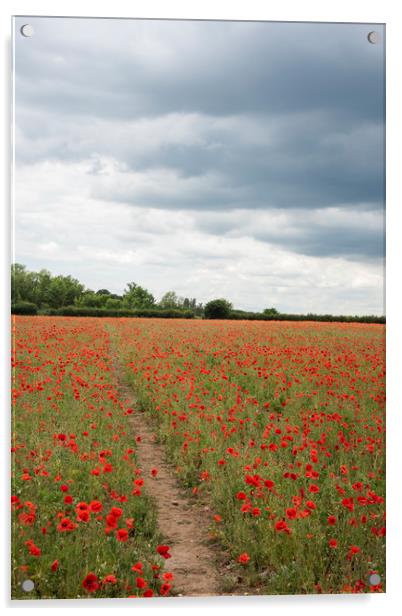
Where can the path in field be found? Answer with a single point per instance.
(183, 523)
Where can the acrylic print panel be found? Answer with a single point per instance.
(198, 358)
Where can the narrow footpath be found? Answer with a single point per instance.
(182, 522)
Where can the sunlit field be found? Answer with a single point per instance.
(279, 426)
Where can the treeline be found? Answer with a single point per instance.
(44, 294)
(262, 316)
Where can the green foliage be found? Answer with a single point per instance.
(271, 311)
(41, 288)
(88, 311)
(91, 299)
(218, 309)
(169, 300)
(136, 296)
(24, 308)
(261, 316)
(113, 304)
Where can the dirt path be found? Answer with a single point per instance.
(184, 524)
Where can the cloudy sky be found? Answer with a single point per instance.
(217, 159)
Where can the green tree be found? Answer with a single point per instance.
(113, 304)
(136, 296)
(272, 312)
(218, 309)
(63, 291)
(42, 282)
(91, 299)
(169, 300)
(22, 284)
(103, 292)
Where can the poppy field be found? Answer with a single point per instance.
(279, 426)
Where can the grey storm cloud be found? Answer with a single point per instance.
(323, 233)
(311, 93)
(257, 134)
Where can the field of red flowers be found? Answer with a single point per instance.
(280, 425)
(81, 525)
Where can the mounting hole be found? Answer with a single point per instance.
(374, 579)
(373, 37)
(28, 585)
(27, 30)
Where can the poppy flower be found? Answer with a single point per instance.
(91, 583)
(354, 549)
(241, 496)
(66, 525)
(111, 521)
(122, 534)
(140, 582)
(243, 558)
(163, 550)
(164, 589)
(83, 516)
(282, 526)
(95, 505)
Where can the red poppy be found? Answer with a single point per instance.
(83, 516)
(140, 582)
(122, 534)
(281, 526)
(163, 550)
(164, 589)
(111, 521)
(91, 583)
(95, 505)
(66, 525)
(241, 496)
(243, 558)
(81, 507)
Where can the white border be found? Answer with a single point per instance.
(368, 11)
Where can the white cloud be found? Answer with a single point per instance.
(107, 244)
